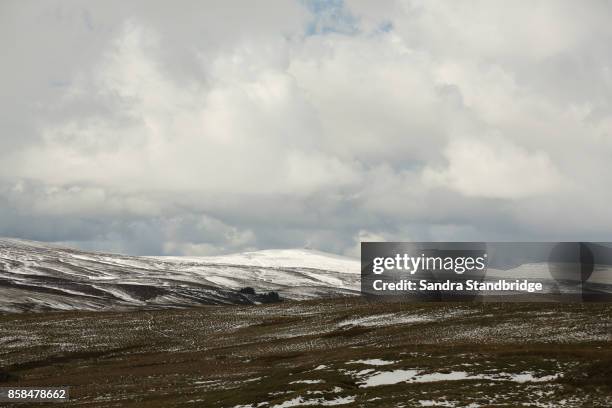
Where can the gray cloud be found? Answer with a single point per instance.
(192, 128)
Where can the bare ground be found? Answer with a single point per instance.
(343, 352)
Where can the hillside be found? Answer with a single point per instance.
(38, 277)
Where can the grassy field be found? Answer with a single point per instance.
(340, 352)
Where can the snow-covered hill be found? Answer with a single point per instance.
(37, 276)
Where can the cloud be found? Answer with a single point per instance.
(496, 170)
(153, 128)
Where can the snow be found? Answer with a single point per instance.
(339, 401)
(294, 274)
(373, 362)
(431, 403)
(529, 377)
(325, 279)
(300, 402)
(222, 281)
(280, 258)
(413, 376)
(388, 378)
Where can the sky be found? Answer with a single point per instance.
(210, 127)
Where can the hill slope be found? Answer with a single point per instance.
(36, 277)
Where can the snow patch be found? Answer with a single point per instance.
(300, 402)
(413, 376)
(372, 362)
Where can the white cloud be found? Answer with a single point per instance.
(495, 168)
(292, 123)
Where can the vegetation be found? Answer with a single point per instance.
(317, 351)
